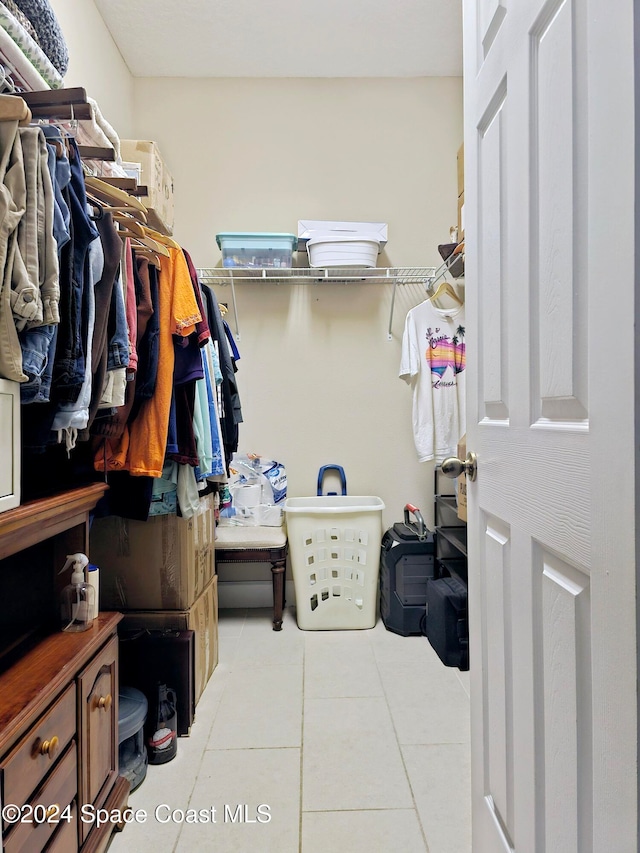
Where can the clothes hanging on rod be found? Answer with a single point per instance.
(118, 353)
(433, 362)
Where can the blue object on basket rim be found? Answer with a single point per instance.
(343, 478)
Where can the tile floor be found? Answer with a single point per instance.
(349, 740)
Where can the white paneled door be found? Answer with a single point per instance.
(550, 253)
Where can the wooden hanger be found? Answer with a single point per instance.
(154, 260)
(119, 199)
(132, 229)
(13, 108)
(148, 243)
(132, 225)
(445, 289)
(223, 308)
(120, 212)
(162, 238)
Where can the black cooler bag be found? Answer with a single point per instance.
(446, 624)
(407, 561)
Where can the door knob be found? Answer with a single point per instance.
(453, 467)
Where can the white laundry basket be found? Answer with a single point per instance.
(334, 544)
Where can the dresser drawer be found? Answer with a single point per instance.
(65, 839)
(28, 763)
(59, 790)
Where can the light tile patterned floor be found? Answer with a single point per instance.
(315, 742)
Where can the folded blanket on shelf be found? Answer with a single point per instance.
(45, 23)
(20, 16)
(22, 55)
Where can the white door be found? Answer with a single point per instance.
(549, 172)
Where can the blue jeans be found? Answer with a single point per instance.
(118, 344)
(69, 367)
(38, 349)
(39, 344)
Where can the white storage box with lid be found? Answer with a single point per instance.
(256, 250)
(334, 544)
(155, 175)
(342, 244)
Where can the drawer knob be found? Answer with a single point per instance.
(105, 702)
(48, 747)
(52, 811)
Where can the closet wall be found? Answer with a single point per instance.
(318, 377)
(95, 62)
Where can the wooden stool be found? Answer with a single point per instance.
(257, 545)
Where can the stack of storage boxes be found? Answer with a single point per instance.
(154, 174)
(161, 574)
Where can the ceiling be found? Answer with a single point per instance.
(287, 38)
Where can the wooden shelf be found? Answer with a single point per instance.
(35, 521)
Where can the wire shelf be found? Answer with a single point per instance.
(304, 275)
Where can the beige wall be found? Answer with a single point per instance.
(95, 62)
(317, 376)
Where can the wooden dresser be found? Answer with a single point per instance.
(58, 701)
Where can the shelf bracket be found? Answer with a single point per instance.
(235, 307)
(393, 302)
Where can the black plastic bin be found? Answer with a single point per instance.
(407, 561)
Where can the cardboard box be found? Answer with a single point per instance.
(160, 564)
(462, 481)
(461, 217)
(156, 177)
(201, 617)
(460, 170)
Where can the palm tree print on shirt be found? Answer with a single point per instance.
(460, 350)
(444, 352)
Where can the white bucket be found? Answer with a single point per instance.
(333, 251)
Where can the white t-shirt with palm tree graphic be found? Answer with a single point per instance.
(433, 360)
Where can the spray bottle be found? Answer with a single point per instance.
(78, 597)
